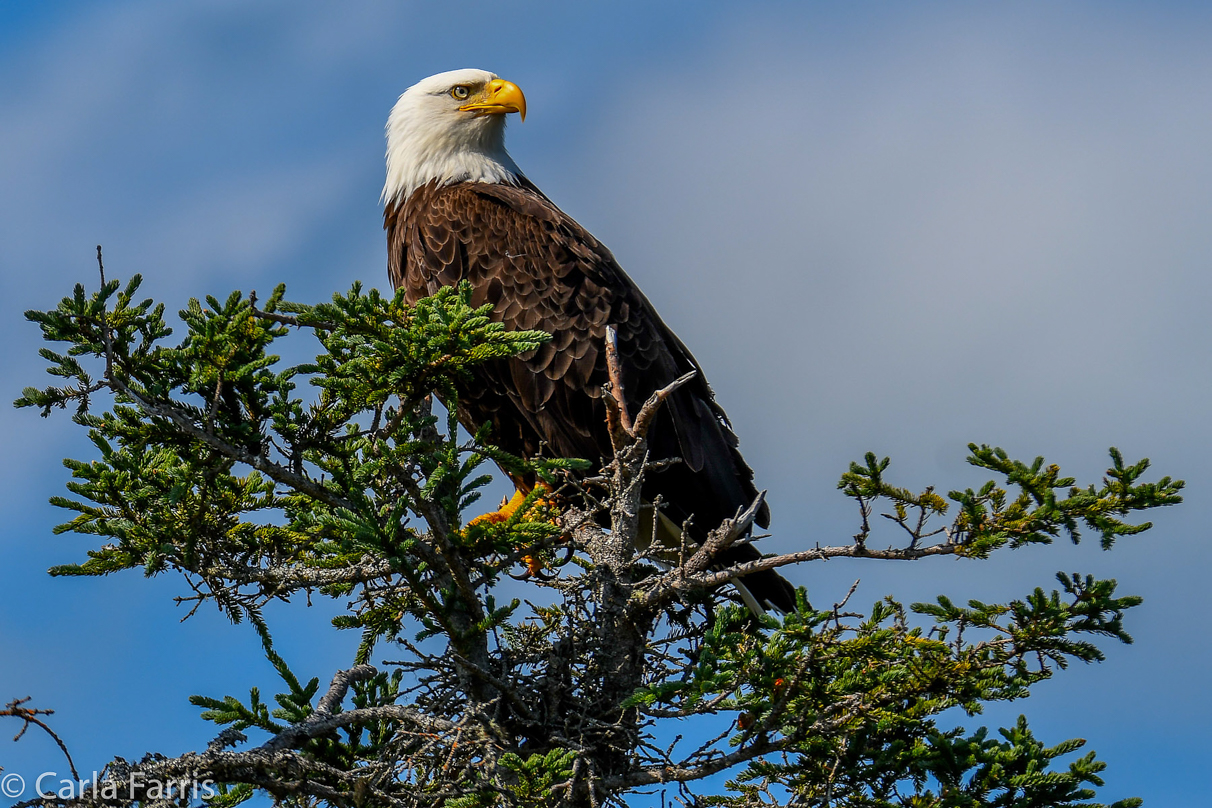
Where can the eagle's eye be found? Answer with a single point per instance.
(460, 93)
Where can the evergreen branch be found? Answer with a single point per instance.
(295, 576)
(558, 699)
(275, 471)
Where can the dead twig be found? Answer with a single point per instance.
(29, 715)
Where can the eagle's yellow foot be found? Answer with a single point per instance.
(534, 564)
(508, 508)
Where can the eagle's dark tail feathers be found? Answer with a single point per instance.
(761, 591)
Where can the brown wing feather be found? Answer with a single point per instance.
(540, 269)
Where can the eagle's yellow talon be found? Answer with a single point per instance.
(507, 509)
(510, 506)
(534, 564)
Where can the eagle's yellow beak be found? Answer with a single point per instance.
(499, 97)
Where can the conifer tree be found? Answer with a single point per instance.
(256, 481)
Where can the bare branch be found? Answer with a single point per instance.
(29, 715)
(297, 576)
(286, 319)
(615, 373)
(649, 411)
(669, 584)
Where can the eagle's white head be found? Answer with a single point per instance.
(451, 128)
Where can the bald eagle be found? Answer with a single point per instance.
(457, 207)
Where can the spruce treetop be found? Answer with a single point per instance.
(545, 658)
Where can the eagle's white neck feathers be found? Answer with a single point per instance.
(428, 140)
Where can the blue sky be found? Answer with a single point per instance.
(878, 226)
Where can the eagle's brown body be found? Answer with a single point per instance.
(541, 270)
